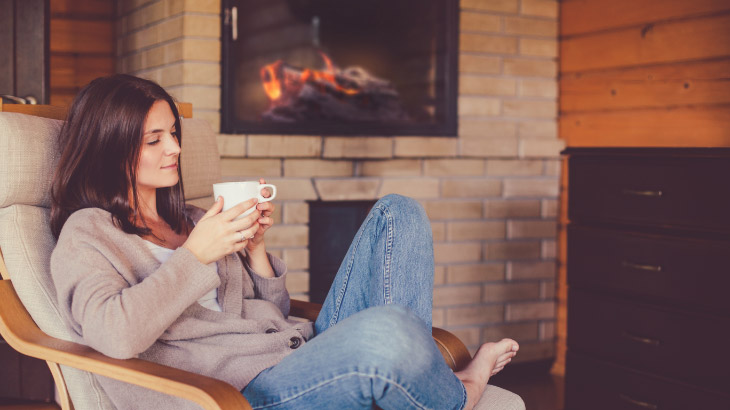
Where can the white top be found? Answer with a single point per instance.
(210, 299)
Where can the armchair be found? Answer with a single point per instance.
(29, 317)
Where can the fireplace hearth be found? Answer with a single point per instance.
(324, 67)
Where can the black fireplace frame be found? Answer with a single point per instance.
(447, 65)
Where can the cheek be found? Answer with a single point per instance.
(147, 163)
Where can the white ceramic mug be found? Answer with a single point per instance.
(234, 193)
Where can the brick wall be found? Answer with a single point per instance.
(491, 193)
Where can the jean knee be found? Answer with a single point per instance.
(404, 209)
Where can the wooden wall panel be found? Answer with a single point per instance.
(586, 16)
(682, 40)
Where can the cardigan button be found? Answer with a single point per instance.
(272, 330)
(295, 342)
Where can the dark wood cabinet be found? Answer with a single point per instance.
(648, 278)
(23, 377)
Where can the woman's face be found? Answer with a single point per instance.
(160, 150)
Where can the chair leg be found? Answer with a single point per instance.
(63, 396)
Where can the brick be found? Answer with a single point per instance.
(284, 146)
(196, 25)
(201, 73)
(474, 315)
(530, 67)
(456, 295)
(474, 128)
(506, 292)
(538, 129)
(285, 236)
(515, 331)
(249, 167)
(172, 75)
(469, 63)
(211, 115)
(293, 189)
(438, 317)
(296, 259)
(425, 147)
(541, 147)
(346, 189)
(457, 252)
(296, 213)
(531, 187)
(531, 26)
(439, 275)
(549, 249)
(511, 209)
(484, 43)
(479, 107)
(512, 250)
(547, 289)
(553, 167)
(198, 49)
(297, 282)
(506, 6)
(231, 146)
(531, 270)
(542, 8)
(479, 85)
(171, 29)
(530, 311)
(469, 336)
(358, 147)
(514, 167)
(530, 352)
(317, 168)
(203, 6)
(538, 88)
(438, 231)
(474, 21)
(454, 167)
(471, 188)
(391, 168)
(530, 108)
(547, 330)
(473, 273)
(489, 147)
(539, 47)
(475, 230)
(453, 209)
(201, 96)
(532, 229)
(154, 57)
(411, 187)
(550, 208)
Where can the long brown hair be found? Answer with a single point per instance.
(101, 142)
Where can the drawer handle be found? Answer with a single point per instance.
(632, 265)
(639, 403)
(644, 340)
(635, 192)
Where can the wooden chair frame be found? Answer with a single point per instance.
(22, 334)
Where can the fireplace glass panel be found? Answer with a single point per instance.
(324, 67)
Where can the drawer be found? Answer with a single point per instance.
(677, 192)
(672, 343)
(676, 270)
(597, 385)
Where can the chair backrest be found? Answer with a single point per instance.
(28, 156)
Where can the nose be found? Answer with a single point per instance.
(171, 145)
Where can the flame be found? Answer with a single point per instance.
(276, 78)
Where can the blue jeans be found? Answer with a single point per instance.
(372, 343)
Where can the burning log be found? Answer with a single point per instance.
(351, 94)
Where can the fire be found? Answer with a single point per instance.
(279, 79)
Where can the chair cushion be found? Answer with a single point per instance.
(200, 161)
(497, 398)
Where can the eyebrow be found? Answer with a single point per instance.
(157, 130)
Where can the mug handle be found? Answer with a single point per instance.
(273, 192)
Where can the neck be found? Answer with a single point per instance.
(148, 205)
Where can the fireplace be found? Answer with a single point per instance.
(326, 67)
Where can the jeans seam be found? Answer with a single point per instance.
(390, 235)
(335, 379)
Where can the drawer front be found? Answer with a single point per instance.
(679, 270)
(679, 192)
(597, 385)
(683, 346)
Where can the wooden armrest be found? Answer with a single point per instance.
(457, 356)
(23, 335)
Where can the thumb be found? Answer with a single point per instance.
(215, 209)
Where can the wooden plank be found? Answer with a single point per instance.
(74, 71)
(78, 36)
(676, 127)
(694, 39)
(587, 16)
(7, 37)
(85, 8)
(59, 113)
(696, 83)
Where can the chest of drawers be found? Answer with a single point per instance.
(648, 262)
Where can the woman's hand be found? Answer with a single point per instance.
(219, 234)
(266, 209)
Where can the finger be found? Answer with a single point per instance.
(266, 206)
(250, 232)
(266, 221)
(245, 222)
(239, 209)
(215, 209)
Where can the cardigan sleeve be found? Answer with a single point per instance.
(115, 311)
(271, 289)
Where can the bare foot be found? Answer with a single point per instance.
(488, 361)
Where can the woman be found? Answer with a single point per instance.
(139, 274)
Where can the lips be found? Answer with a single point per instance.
(171, 166)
